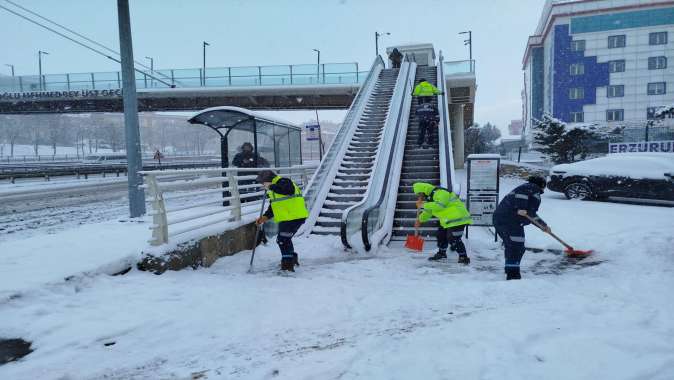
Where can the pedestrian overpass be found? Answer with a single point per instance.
(280, 87)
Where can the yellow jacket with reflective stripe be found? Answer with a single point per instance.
(425, 89)
(443, 205)
(287, 207)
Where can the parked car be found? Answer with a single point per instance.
(106, 158)
(644, 177)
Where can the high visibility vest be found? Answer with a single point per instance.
(425, 89)
(287, 207)
(447, 208)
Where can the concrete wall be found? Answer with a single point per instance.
(204, 252)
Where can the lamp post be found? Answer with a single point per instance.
(203, 71)
(151, 70)
(12, 66)
(39, 66)
(376, 40)
(318, 66)
(469, 42)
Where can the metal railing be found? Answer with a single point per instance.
(457, 67)
(444, 130)
(320, 184)
(183, 201)
(279, 75)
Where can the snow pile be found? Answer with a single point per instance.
(665, 111)
(632, 165)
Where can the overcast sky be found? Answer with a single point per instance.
(270, 32)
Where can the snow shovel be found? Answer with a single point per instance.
(257, 234)
(570, 251)
(415, 242)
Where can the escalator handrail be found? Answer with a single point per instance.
(366, 215)
(351, 120)
(447, 162)
(399, 92)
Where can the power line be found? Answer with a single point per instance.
(79, 43)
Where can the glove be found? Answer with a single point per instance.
(547, 229)
(261, 220)
(420, 203)
(522, 212)
(417, 223)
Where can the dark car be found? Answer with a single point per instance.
(642, 177)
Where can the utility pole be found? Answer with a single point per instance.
(469, 42)
(376, 40)
(39, 67)
(130, 99)
(318, 66)
(203, 71)
(12, 66)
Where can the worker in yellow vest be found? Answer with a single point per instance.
(452, 214)
(424, 90)
(287, 208)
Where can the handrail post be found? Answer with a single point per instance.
(68, 81)
(259, 74)
(291, 73)
(93, 82)
(159, 220)
(229, 75)
(234, 192)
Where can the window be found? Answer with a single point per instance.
(657, 38)
(578, 45)
(657, 63)
(615, 115)
(657, 88)
(577, 69)
(576, 93)
(615, 91)
(577, 117)
(616, 41)
(616, 66)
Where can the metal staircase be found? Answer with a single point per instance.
(355, 170)
(419, 165)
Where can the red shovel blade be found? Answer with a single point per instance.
(414, 243)
(577, 252)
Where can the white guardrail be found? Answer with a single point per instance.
(187, 200)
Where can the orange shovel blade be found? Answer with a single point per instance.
(577, 253)
(414, 243)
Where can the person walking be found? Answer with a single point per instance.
(451, 213)
(396, 58)
(510, 217)
(424, 90)
(287, 208)
(427, 115)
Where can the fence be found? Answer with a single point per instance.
(187, 200)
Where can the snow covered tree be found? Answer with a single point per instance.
(480, 139)
(564, 144)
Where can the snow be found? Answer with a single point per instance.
(633, 165)
(21, 150)
(392, 315)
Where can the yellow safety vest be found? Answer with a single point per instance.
(425, 89)
(443, 205)
(287, 207)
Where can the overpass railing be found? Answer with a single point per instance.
(183, 201)
(278, 75)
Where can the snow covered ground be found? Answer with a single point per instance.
(392, 315)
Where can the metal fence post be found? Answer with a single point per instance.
(229, 75)
(68, 81)
(159, 220)
(291, 73)
(234, 192)
(93, 82)
(259, 74)
(119, 81)
(173, 78)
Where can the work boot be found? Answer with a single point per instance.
(464, 259)
(438, 256)
(513, 274)
(287, 265)
(296, 260)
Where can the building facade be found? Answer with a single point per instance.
(609, 62)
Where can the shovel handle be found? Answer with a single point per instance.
(532, 220)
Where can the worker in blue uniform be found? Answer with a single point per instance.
(510, 218)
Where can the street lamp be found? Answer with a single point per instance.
(203, 83)
(39, 65)
(151, 70)
(12, 66)
(376, 40)
(318, 66)
(469, 42)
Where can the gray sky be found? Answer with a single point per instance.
(269, 32)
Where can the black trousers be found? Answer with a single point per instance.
(513, 240)
(424, 132)
(451, 237)
(286, 231)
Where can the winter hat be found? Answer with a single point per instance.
(538, 181)
(266, 176)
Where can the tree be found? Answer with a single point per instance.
(480, 139)
(564, 144)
